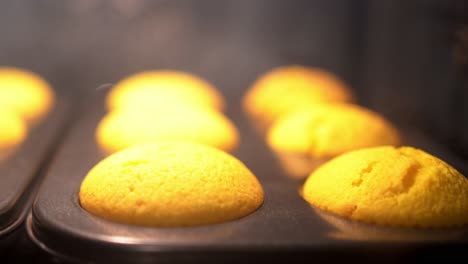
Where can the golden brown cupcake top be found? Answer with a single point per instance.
(391, 186)
(171, 184)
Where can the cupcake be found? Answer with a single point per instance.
(122, 129)
(289, 88)
(25, 93)
(403, 187)
(150, 89)
(13, 131)
(170, 184)
(306, 138)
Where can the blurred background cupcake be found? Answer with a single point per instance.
(288, 88)
(305, 138)
(124, 128)
(13, 131)
(157, 88)
(25, 93)
(161, 105)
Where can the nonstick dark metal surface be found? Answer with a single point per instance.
(284, 228)
(19, 171)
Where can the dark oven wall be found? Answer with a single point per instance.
(397, 55)
(416, 71)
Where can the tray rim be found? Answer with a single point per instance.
(16, 208)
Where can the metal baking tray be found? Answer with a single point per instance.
(285, 228)
(20, 171)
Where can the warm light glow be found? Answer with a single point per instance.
(25, 93)
(156, 88)
(287, 88)
(13, 131)
(122, 129)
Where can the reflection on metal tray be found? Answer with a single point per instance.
(18, 170)
(285, 227)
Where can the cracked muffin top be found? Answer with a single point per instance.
(327, 130)
(390, 186)
(171, 184)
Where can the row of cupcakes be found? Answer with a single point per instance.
(348, 154)
(162, 105)
(169, 164)
(308, 117)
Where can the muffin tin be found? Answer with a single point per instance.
(20, 171)
(284, 228)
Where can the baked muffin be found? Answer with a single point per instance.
(390, 186)
(25, 93)
(306, 138)
(122, 129)
(160, 88)
(170, 184)
(13, 131)
(291, 87)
